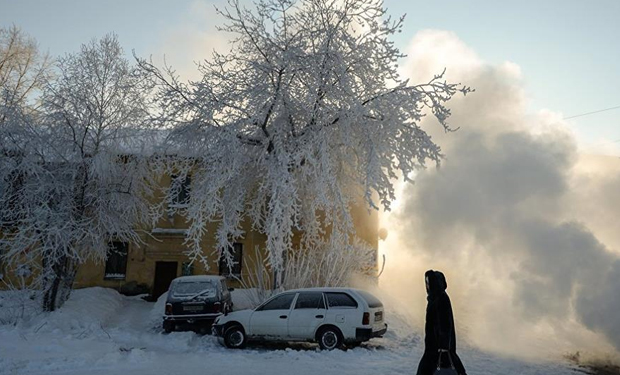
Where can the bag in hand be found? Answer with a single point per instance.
(445, 370)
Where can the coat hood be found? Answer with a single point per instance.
(436, 282)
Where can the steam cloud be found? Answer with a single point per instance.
(524, 225)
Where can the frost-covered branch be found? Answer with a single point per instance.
(76, 174)
(305, 116)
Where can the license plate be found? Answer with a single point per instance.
(378, 316)
(192, 308)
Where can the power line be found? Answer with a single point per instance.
(591, 113)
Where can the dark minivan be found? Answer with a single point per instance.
(195, 301)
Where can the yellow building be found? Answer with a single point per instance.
(148, 267)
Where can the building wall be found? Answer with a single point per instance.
(164, 243)
(169, 247)
(142, 258)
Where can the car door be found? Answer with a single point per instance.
(343, 312)
(306, 316)
(271, 319)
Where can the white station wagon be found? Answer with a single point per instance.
(332, 317)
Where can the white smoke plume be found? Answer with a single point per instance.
(524, 226)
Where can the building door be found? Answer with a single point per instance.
(165, 272)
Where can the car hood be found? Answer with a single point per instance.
(241, 316)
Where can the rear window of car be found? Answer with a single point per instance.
(310, 300)
(371, 300)
(340, 301)
(191, 288)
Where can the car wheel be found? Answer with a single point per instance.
(204, 330)
(329, 338)
(168, 327)
(234, 337)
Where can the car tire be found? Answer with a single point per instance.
(204, 329)
(168, 327)
(329, 338)
(234, 337)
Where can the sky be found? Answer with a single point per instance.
(567, 50)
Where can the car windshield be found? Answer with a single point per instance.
(206, 289)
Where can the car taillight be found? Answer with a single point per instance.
(218, 306)
(366, 319)
(168, 309)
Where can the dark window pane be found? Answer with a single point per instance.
(370, 299)
(340, 300)
(180, 187)
(310, 300)
(237, 256)
(282, 302)
(116, 262)
(207, 289)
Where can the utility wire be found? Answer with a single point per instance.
(591, 113)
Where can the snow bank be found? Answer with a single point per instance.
(87, 310)
(157, 312)
(101, 332)
(400, 331)
(17, 306)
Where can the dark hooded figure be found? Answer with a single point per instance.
(440, 334)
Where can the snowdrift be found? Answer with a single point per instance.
(87, 309)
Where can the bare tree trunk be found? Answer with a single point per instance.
(51, 291)
(66, 286)
(58, 283)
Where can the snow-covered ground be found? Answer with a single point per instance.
(99, 331)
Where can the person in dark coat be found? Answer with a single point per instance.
(440, 336)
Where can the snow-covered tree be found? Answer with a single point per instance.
(304, 116)
(23, 72)
(75, 174)
(23, 68)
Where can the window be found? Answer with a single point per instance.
(310, 300)
(206, 289)
(340, 301)
(282, 302)
(180, 188)
(116, 261)
(236, 251)
(372, 301)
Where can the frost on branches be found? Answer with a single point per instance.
(73, 172)
(305, 115)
